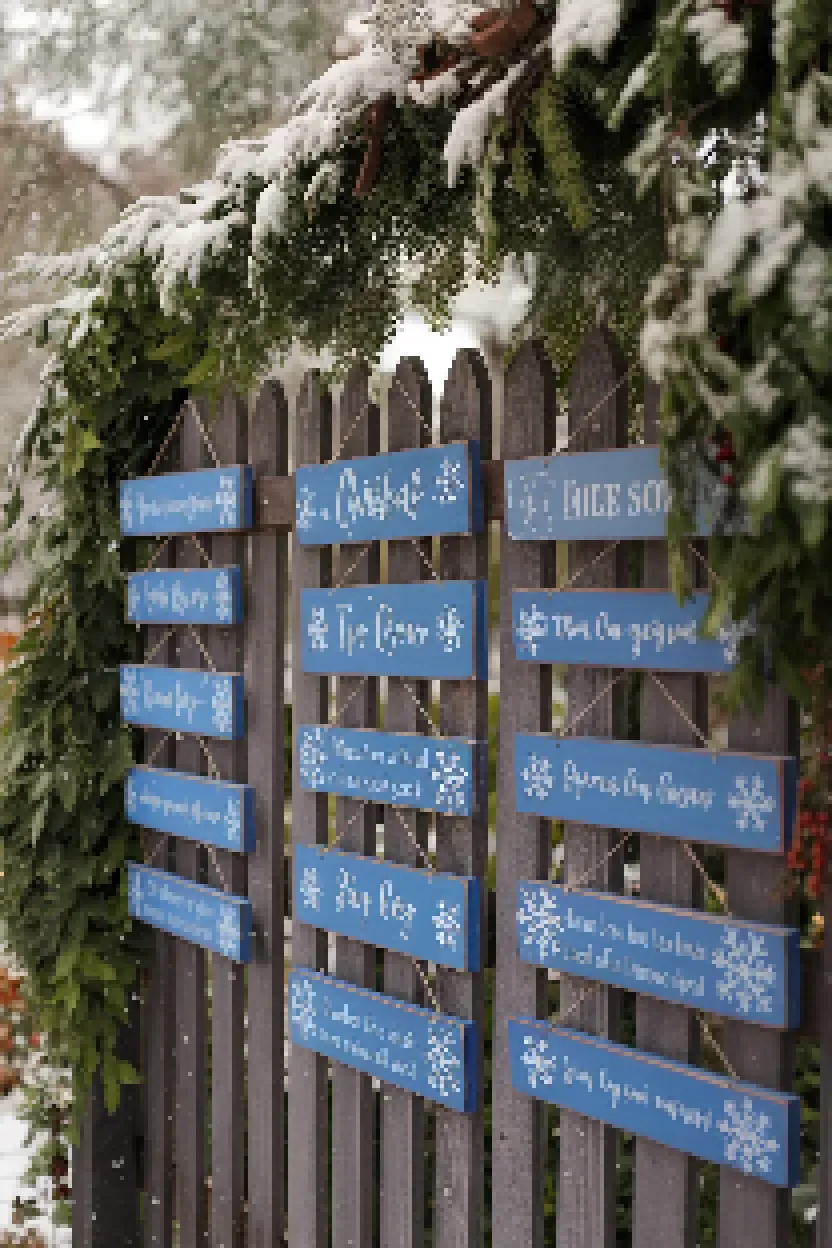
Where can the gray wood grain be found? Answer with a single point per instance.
(462, 844)
(587, 1187)
(402, 1114)
(751, 1211)
(308, 1111)
(265, 640)
(825, 1163)
(666, 1183)
(353, 1118)
(523, 841)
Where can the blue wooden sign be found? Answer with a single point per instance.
(214, 500)
(748, 801)
(392, 768)
(721, 1120)
(198, 596)
(597, 496)
(404, 494)
(429, 915)
(434, 631)
(433, 1055)
(210, 811)
(748, 971)
(620, 628)
(178, 699)
(203, 916)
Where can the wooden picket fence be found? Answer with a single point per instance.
(279, 1145)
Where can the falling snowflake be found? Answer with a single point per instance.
(751, 803)
(311, 757)
(227, 501)
(304, 511)
(222, 594)
(447, 924)
(538, 778)
(304, 1012)
(747, 1140)
(444, 1065)
(233, 821)
(134, 600)
(452, 779)
(531, 628)
(748, 976)
(539, 923)
(222, 707)
(228, 931)
(540, 1065)
(310, 888)
(449, 482)
(450, 627)
(318, 628)
(136, 893)
(126, 508)
(129, 691)
(132, 795)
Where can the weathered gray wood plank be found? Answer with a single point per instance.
(265, 640)
(523, 841)
(308, 1112)
(587, 1188)
(355, 825)
(402, 1114)
(462, 844)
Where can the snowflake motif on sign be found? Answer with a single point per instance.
(730, 636)
(136, 893)
(539, 922)
(309, 888)
(222, 594)
(129, 691)
(540, 1065)
(312, 756)
(452, 778)
(449, 482)
(318, 628)
(447, 924)
(748, 974)
(746, 1137)
(134, 600)
(532, 627)
(444, 1066)
(233, 821)
(538, 778)
(304, 1012)
(751, 803)
(227, 501)
(222, 707)
(228, 932)
(126, 507)
(304, 511)
(450, 628)
(132, 796)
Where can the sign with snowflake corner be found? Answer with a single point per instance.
(177, 699)
(750, 1129)
(203, 916)
(431, 1054)
(414, 493)
(185, 596)
(746, 971)
(427, 914)
(213, 812)
(746, 801)
(212, 500)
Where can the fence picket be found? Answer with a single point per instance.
(824, 1179)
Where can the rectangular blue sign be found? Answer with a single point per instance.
(175, 802)
(721, 1120)
(748, 971)
(433, 1055)
(748, 801)
(435, 490)
(392, 768)
(198, 596)
(178, 699)
(213, 500)
(429, 915)
(203, 916)
(640, 628)
(432, 631)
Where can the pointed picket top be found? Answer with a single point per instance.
(598, 393)
(409, 406)
(466, 401)
(530, 398)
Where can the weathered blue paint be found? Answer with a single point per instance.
(432, 916)
(203, 916)
(742, 800)
(433, 1055)
(435, 631)
(177, 699)
(214, 500)
(392, 768)
(749, 971)
(193, 596)
(210, 811)
(708, 1116)
(415, 493)
(620, 628)
(596, 496)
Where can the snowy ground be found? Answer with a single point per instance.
(13, 1162)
